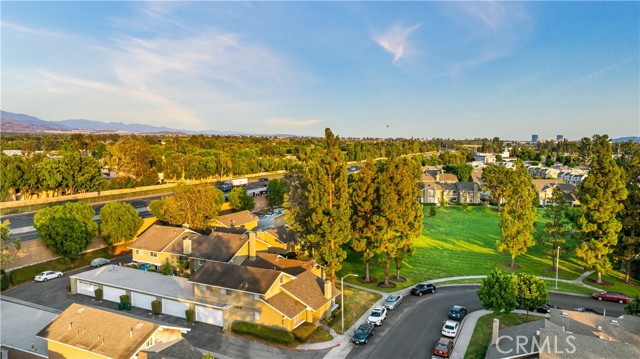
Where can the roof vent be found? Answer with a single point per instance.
(565, 314)
(139, 325)
(599, 327)
(614, 322)
(70, 325)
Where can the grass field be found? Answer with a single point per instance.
(457, 242)
(618, 285)
(479, 343)
(551, 285)
(320, 335)
(356, 303)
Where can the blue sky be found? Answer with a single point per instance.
(364, 69)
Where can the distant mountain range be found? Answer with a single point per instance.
(626, 139)
(21, 123)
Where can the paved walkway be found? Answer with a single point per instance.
(341, 343)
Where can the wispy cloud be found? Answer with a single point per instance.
(289, 122)
(395, 40)
(494, 15)
(597, 73)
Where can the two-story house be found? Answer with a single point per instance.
(242, 219)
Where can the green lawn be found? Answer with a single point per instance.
(320, 335)
(356, 303)
(617, 279)
(461, 281)
(551, 285)
(479, 343)
(457, 242)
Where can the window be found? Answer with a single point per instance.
(201, 261)
(153, 254)
(430, 192)
(226, 291)
(209, 288)
(137, 251)
(149, 342)
(256, 296)
(203, 287)
(256, 315)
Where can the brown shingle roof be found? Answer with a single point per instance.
(278, 262)
(448, 178)
(157, 237)
(98, 331)
(541, 183)
(282, 234)
(308, 289)
(219, 246)
(246, 279)
(286, 305)
(237, 219)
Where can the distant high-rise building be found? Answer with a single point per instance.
(559, 138)
(534, 138)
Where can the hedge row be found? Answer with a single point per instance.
(263, 332)
(5, 279)
(304, 331)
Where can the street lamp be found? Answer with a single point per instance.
(342, 297)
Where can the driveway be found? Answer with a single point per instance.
(413, 329)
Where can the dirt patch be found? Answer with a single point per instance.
(371, 280)
(382, 285)
(604, 283)
(623, 281)
(399, 279)
(515, 266)
(550, 269)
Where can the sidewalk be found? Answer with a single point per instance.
(341, 344)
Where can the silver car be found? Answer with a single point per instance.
(97, 262)
(392, 302)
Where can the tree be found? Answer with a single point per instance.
(633, 306)
(318, 203)
(601, 196)
(517, 220)
(557, 227)
(365, 209)
(240, 200)
(628, 247)
(532, 292)
(496, 179)
(432, 211)
(67, 229)
(498, 292)
(119, 222)
(9, 248)
(194, 205)
(275, 192)
(401, 214)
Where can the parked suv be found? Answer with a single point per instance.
(422, 288)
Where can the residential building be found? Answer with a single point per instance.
(243, 219)
(85, 332)
(280, 239)
(485, 158)
(19, 340)
(544, 189)
(457, 192)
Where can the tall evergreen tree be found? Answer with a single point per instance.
(365, 210)
(629, 241)
(496, 179)
(557, 227)
(517, 220)
(321, 185)
(601, 196)
(401, 214)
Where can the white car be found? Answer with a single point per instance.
(450, 328)
(378, 315)
(46, 275)
(97, 262)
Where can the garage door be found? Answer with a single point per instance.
(209, 315)
(140, 300)
(175, 308)
(113, 294)
(87, 288)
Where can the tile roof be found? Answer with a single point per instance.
(286, 305)
(283, 234)
(309, 290)
(219, 246)
(278, 262)
(448, 178)
(99, 331)
(237, 219)
(157, 237)
(235, 277)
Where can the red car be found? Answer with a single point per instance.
(611, 296)
(443, 348)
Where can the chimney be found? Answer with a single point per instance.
(186, 245)
(252, 245)
(233, 223)
(70, 325)
(327, 289)
(131, 332)
(496, 330)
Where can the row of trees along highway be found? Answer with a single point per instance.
(54, 165)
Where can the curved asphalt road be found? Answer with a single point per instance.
(412, 330)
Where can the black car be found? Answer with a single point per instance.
(588, 310)
(545, 308)
(457, 312)
(422, 288)
(362, 334)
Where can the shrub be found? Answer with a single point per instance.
(263, 332)
(98, 294)
(156, 307)
(304, 331)
(432, 211)
(125, 299)
(5, 279)
(68, 287)
(465, 206)
(166, 268)
(191, 315)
